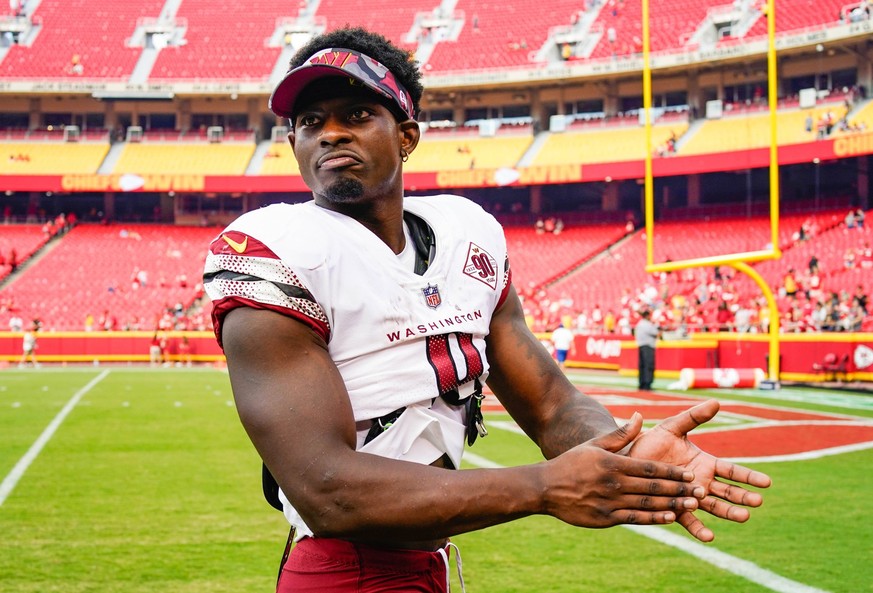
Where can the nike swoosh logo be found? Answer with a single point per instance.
(236, 246)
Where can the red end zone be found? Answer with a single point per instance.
(742, 430)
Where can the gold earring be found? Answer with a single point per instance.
(404, 156)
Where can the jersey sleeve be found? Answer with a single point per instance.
(241, 271)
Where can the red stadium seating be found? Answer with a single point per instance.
(793, 15)
(224, 41)
(500, 35)
(95, 31)
(23, 239)
(393, 20)
(91, 269)
(537, 257)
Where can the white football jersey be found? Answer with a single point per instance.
(397, 338)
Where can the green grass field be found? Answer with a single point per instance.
(147, 482)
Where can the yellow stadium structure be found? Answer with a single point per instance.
(279, 160)
(436, 153)
(604, 145)
(863, 118)
(185, 159)
(753, 131)
(51, 158)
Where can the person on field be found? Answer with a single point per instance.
(361, 330)
(29, 345)
(562, 340)
(646, 335)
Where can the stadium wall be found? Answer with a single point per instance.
(818, 151)
(91, 347)
(800, 352)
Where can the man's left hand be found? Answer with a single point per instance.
(668, 442)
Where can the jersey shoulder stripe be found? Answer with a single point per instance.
(241, 271)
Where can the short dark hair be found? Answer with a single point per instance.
(399, 61)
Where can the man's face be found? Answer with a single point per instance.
(348, 147)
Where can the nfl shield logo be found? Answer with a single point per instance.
(432, 296)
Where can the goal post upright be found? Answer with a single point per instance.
(738, 261)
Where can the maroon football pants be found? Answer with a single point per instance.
(324, 565)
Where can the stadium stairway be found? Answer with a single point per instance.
(693, 128)
(532, 151)
(31, 259)
(111, 159)
(605, 252)
(257, 160)
(144, 65)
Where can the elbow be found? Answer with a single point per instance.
(328, 506)
(332, 518)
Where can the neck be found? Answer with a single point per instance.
(384, 218)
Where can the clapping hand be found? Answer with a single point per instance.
(668, 442)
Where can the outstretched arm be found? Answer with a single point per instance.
(558, 417)
(294, 405)
(668, 442)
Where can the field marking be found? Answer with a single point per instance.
(816, 395)
(742, 568)
(11, 480)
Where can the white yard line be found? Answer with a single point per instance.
(742, 568)
(11, 480)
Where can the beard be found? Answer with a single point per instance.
(345, 190)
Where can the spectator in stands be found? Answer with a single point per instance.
(866, 253)
(850, 220)
(311, 385)
(854, 319)
(789, 284)
(820, 316)
(860, 297)
(813, 264)
(849, 259)
(107, 321)
(16, 324)
(89, 322)
(76, 66)
(859, 218)
(724, 317)
(744, 317)
(646, 335)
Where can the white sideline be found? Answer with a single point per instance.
(11, 480)
(742, 568)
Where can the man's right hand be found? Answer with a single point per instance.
(592, 485)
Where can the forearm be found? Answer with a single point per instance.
(359, 496)
(576, 419)
(537, 394)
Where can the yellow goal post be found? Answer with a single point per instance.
(738, 261)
